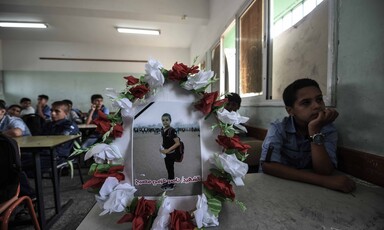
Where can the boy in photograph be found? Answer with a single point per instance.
(170, 142)
(306, 139)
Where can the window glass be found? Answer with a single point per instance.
(250, 49)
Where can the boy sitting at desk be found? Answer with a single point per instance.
(42, 108)
(59, 125)
(12, 126)
(306, 139)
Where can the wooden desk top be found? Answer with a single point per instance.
(43, 141)
(274, 203)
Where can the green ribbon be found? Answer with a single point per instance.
(214, 205)
(99, 167)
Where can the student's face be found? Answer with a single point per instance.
(166, 121)
(14, 112)
(41, 101)
(25, 104)
(2, 113)
(309, 102)
(98, 102)
(58, 113)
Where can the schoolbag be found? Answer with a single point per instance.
(179, 150)
(10, 168)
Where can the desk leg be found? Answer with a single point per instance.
(55, 180)
(39, 190)
(56, 192)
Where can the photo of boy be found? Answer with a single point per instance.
(170, 142)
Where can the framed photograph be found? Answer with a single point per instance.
(153, 170)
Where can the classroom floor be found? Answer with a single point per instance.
(83, 201)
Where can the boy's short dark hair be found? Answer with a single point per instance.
(2, 105)
(167, 115)
(69, 102)
(289, 94)
(25, 99)
(14, 105)
(61, 104)
(43, 96)
(234, 97)
(96, 96)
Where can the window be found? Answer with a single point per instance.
(250, 50)
(279, 41)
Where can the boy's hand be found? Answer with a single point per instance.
(93, 106)
(341, 183)
(325, 117)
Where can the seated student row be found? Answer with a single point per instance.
(59, 125)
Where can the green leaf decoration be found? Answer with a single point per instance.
(214, 206)
(131, 208)
(70, 164)
(241, 205)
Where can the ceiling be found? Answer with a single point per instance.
(94, 21)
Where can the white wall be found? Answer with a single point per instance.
(25, 75)
(24, 55)
(222, 13)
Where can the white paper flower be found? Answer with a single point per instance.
(162, 220)
(199, 80)
(233, 118)
(123, 103)
(230, 164)
(203, 216)
(103, 152)
(115, 196)
(153, 75)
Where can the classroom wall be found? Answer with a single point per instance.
(26, 75)
(222, 13)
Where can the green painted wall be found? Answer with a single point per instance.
(76, 86)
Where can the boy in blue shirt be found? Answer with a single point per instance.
(59, 125)
(42, 108)
(307, 139)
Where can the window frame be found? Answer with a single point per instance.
(263, 99)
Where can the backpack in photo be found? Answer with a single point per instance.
(10, 168)
(180, 152)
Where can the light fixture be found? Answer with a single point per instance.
(138, 31)
(23, 24)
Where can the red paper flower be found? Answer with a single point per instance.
(98, 178)
(205, 104)
(104, 125)
(102, 122)
(220, 186)
(139, 91)
(232, 143)
(181, 220)
(117, 131)
(145, 210)
(180, 72)
(131, 80)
